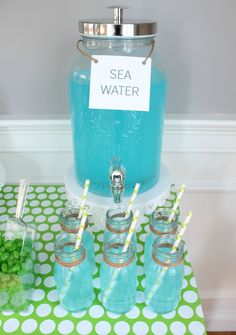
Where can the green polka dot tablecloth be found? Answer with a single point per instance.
(44, 314)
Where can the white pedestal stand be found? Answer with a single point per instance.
(98, 205)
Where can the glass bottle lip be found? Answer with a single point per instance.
(69, 217)
(161, 241)
(161, 215)
(67, 239)
(117, 219)
(118, 241)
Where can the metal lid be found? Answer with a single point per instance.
(118, 26)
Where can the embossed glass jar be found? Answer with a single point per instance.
(99, 135)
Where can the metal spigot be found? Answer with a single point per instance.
(117, 179)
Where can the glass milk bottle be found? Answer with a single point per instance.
(159, 227)
(73, 274)
(164, 276)
(70, 223)
(117, 99)
(118, 275)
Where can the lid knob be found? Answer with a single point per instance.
(118, 13)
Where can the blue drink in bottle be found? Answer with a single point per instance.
(118, 276)
(73, 274)
(164, 276)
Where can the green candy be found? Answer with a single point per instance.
(2, 249)
(5, 278)
(15, 268)
(9, 244)
(16, 254)
(4, 257)
(4, 268)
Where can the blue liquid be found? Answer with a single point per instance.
(108, 234)
(122, 297)
(166, 297)
(148, 249)
(89, 247)
(79, 295)
(100, 135)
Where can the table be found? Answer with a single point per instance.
(46, 316)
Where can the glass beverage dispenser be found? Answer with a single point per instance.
(117, 98)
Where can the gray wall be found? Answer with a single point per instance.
(197, 38)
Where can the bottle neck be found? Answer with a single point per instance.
(117, 221)
(114, 255)
(65, 252)
(70, 221)
(159, 224)
(162, 252)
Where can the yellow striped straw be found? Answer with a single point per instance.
(174, 248)
(176, 204)
(81, 230)
(131, 203)
(131, 230)
(84, 196)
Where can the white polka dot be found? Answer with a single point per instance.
(49, 246)
(122, 328)
(96, 247)
(53, 196)
(140, 328)
(133, 313)
(11, 203)
(29, 326)
(2, 202)
(38, 281)
(57, 203)
(65, 327)
(159, 328)
(63, 197)
(9, 196)
(42, 196)
(141, 258)
(11, 210)
(28, 311)
(2, 210)
(169, 315)
(38, 294)
(113, 315)
(100, 237)
(7, 313)
(7, 189)
(96, 311)
(140, 297)
(53, 296)
(143, 282)
(193, 282)
(103, 328)
(49, 282)
(142, 237)
(97, 283)
(178, 328)
(46, 203)
(31, 196)
(196, 328)
(79, 314)
(38, 246)
(40, 218)
(42, 256)
(36, 210)
(3, 218)
(199, 311)
(84, 327)
(61, 189)
(45, 268)
(47, 327)
(190, 296)
(26, 210)
(53, 218)
(51, 189)
(55, 227)
(28, 218)
(98, 258)
(185, 283)
(140, 270)
(185, 312)
(47, 237)
(139, 247)
(187, 270)
(43, 310)
(48, 210)
(11, 325)
(59, 311)
(34, 203)
(52, 258)
(148, 313)
(39, 189)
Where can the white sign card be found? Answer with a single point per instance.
(120, 83)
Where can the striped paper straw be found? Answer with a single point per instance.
(22, 194)
(81, 230)
(176, 204)
(131, 231)
(84, 196)
(174, 248)
(131, 203)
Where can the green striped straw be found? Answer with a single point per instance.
(131, 203)
(176, 204)
(81, 230)
(174, 248)
(84, 196)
